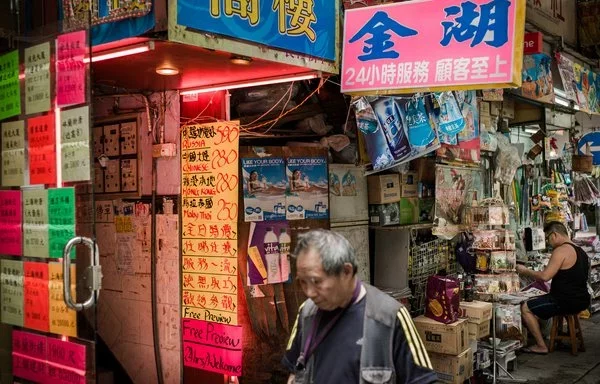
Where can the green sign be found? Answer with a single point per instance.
(10, 89)
(11, 292)
(35, 223)
(61, 219)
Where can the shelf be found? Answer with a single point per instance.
(401, 227)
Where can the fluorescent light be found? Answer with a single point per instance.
(244, 84)
(530, 130)
(561, 101)
(560, 92)
(121, 52)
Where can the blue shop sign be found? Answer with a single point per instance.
(303, 26)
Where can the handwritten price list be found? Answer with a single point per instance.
(209, 161)
(10, 88)
(13, 153)
(70, 68)
(10, 223)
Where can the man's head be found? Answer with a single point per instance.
(326, 266)
(556, 233)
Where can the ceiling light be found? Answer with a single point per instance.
(240, 60)
(167, 71)
(245, 84)
(562, 101)
(120, 52)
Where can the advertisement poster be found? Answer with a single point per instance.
(42, 150)
(61, 219)
(35, 223)
(209, 210)
(468, 144)
(36, 296)
(11, 292)
(70, 68)
(567, 76)
(10, 87)
(13, 153)
(37, 78)
(269, 253)
(586, 86)
(10, 223)
(537, 78)
(307, 191)
(212, 347)
(63, 321)
(75, 143)
(264, 189)
(455, 188)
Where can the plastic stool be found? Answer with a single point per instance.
(573, 334)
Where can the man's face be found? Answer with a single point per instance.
(551, 239)
(328, 292)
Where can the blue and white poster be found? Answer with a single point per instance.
(264, 189)
(307, 27)
(307, 192)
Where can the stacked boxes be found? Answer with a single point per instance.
(478, 315)
(393, 199)
(448, 348)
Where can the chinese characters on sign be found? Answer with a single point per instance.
(35, 223)
(70, 68)
(10, 223)
(212, 347)
(63, 321)
(433, 44)
(209, 208)
(75, 144)
(13, 153)
(37, 78)
(10, 88)
(42, 150)
(11, 292)
(61, 219)
(36, 296)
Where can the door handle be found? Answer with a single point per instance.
(94, 273)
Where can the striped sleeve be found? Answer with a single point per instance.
(413, 340)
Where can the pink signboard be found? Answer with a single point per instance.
(433, 45)
(70, 68)
(212, 347)
(10, 223)
(29, 356)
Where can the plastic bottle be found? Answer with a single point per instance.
(461, 285)
(469, 288)
(271, 247)
(285, 243)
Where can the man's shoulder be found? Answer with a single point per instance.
(381, 306)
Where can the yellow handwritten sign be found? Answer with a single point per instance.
(63, 321)
(209, 208)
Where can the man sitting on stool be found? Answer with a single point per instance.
(568, 269)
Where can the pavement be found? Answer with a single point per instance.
(560, 367)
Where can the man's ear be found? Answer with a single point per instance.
(348, 269)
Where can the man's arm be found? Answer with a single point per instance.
(556, 261)
(291, 379)
(411, 361)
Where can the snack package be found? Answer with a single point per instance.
(377, 146)
(442, 299)
(420, 132)
(450, 118)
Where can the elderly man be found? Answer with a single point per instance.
(348, 331)
(568, 269)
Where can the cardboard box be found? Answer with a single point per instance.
(384, 189)
(409, 210)
(453, 369)
(451, 339)
(478, 331)
(484, 108)
(425, 168)
(485, 123)
(495, 108)
(426, 210)
(384, 214)
(508, 108)
(475, 311)
(409, 178)
(408, 190)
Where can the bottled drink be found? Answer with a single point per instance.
(469, 287)
(271, 247)
(461, 285)
(285, 242)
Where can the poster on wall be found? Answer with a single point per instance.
(307, 188)
(269, 253)
(567, 76)
(37, 78)
(10, 87)
(36, 297)
(35, 223)
(537, 78)
(42, 150)
(11, 292)
(10, 223)
(455, 189)
(264, 189)
(71, 68)
(75, 143)
(13, 153)
(209, 210)
(61, 220)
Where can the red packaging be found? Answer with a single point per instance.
(442, 299)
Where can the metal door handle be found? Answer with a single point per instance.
(94, 272)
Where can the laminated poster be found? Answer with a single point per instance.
(10, 87)
(264, 189)
(61, 219)
(35, 223)
(537, 78)
(11, 292)
(63, 321)
(269, 253)
(308, 188)
(10, 223)
(70, 68)
(37, 78)
(75, 144)
(455, 188)
(13, 153)
(42, 150)
(36, 296)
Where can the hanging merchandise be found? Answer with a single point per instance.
(390, 120)
(456, 188)
(584, 190)
(463, 252)
(449, 117)
(375, 140)
(468, 148)
(433, 108)
(507, 160)
(420, 132)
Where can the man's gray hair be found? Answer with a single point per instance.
(334, 249)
